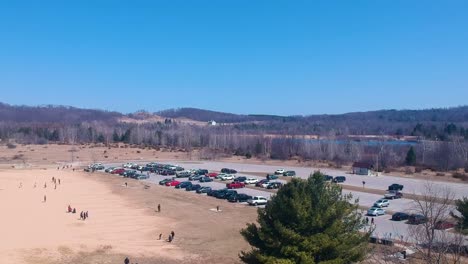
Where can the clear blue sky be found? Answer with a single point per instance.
(272, 57)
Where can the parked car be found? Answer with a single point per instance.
(328, 178)
(393, 195)
(167, 172)
(193, 187)
(201, 172)
(289, 173)
(381, 203)
(118, 171)
(204, 189)
(163, 182)
(260, 182)
(395, 187)
(416, 219)
(235, 185)
(205, 179)
(196, 177)
(224, 193)
(212, 174)
(128, 165)
(129, 173)
(257, 200)
(212, 192)
(99, 167)
(274, 185)
(338, 179)
(183, 185)
(240, 179)
(140, 176)
(183, 174)
(400, 216)
(228, 171)
(272, 177)
(251, 181)
(375, 211)
(226, 177)
(172, 183)
(442, 225)
(240, 197)
(109, 169)
(280, 171)
(265, 184)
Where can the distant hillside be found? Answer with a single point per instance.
(53, 114)
(221, 117)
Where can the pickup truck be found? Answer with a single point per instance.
(235, 185)
(393, 195)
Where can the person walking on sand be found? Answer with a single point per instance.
(372, 221)
(81, 215)
(86, 214)
(45, 185)
(35, 184)
(172, 234)
(126, 261)
(159, 208)
(59, 181)
(45, 198)
(160, 235)
(126, 185)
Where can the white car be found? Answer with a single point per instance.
(257, 200)
(226, 177)
(375, 211)
(128, 165)
(381, 203)
(265, 184)
(251, 181)
(280, 171)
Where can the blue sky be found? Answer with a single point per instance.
(270, 57)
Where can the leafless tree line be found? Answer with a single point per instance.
(440, 155)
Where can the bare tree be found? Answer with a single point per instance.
(433, 245)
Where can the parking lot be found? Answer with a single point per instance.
(384, 226)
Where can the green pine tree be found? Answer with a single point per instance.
(462, 206)
(307, 221)
(410, 157)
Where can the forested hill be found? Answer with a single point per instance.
(220, 117)
(53, 114)
(454, 114)
(430, 123)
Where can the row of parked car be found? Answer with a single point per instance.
(227, 193)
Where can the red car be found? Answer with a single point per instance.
(172, 183)
(118, 171)
(442, 225)
(235, 185)
(212, 174)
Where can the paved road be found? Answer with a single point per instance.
(416, 186)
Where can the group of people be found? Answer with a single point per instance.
(70, 210)
(372, 221)
(64, 167)
(169, 238)
(84, 215)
